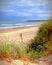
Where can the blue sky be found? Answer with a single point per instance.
(16, 10)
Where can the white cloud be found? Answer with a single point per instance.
(22, 14)
(29, 3)
(40, 11)
(43, 15)
(23, 3)
(33, 8)
(10, 10)
(7, 10)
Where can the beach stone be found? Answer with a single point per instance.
(3, 62)
(43, 63)
(40, 63)
(46, 60)
(32, 64)
(17, 62)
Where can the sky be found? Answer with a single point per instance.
(20, 10)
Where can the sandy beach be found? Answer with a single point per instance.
(20, 36)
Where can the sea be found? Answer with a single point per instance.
(18, 25)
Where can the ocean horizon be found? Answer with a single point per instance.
(18, 25)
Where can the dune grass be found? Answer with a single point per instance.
(41, 45)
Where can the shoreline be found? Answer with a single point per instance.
(15, 29)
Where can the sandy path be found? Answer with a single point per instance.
(47, 60)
